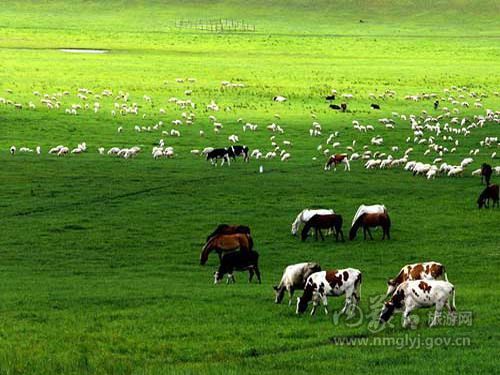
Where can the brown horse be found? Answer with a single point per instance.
(368, 221)
(491, 192)
(225, 243)
(319, 222)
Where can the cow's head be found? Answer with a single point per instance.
(279, 293)
(391, 286)
(386, 312)
(390, 306)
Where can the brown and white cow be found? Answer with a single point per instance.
(337, 159)
(415, 294)
(417, 271)
(323, 284)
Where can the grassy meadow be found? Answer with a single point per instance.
(99, 256)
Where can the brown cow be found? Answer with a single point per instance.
(337, 159)
(417, 271)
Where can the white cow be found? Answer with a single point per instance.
(322, 284)
(305, 215)
(294, 277)
(414, 294)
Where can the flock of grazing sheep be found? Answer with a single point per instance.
(441, 134)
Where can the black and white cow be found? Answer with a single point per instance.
(218, 153)
(321, 285)
(294, 277)
(238, 261)
(237, 150)
(415, 294)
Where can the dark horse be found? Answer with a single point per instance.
(486, 172)
(368, 221)
(225, 243)
(319, 222)
(491, 192)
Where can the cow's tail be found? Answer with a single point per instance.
(453, 306)
(357, 286)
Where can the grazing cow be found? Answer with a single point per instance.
(322, 284)
(337, 159)
(436, 104)
(294, 277)
(236, 150)
(486, 172)
(238, 261)
(375, 106)
(491, 192)
(343, 106)
(218, 153)
(414, 294)
(330, 97)
(318, 222)
(335, 106)
(417, 271)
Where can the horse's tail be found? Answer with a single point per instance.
(355, 227)
(339, 223)
(250, 242)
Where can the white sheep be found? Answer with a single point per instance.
(466, 162)
(63, 151)
(279, 99)
(285, 156)
(233, 138)
(456, 171)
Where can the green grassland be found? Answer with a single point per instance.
(99, 255)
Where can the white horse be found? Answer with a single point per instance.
(374, 209)
(306, 214)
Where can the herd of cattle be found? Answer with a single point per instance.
(416, 285)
